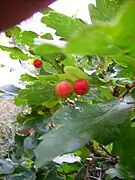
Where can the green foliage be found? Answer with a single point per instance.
(101, 119)
(6, 167)
(27, 78)
(64, 25)
(121, 148)
(23, 37)
(51, 78)
(74, 73)
(99, 126)
(15, 53)
(44, 92)
(15, 31)
(105, 10)
(27, 175)
(45, 49)
(113, 39)
(27, 37)
(47, 36)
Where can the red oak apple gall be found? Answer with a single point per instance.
(37, 63)
(64, 89)
(81, 86)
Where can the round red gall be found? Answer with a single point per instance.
(81, 86)
(37, 63)
(64, 89)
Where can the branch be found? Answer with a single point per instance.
(104, 149)
(90, 146)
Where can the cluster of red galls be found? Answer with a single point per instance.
(65, 88)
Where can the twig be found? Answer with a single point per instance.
(100, 176)
(94, 177)
(90, 146)
(98, 169)
(128, 89)
(101, 158)
(104, 149)
(98, 61)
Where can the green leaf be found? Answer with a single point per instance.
(67, 168)
(106, 92)
(73, 73)
(6, 167)
(105, 10)
(27, 78)
(95, 39)
(47, 36)
(69, 60)
(45, 49)
(64, 25)
(36, 122)
(30, 143)
(26, 175)
(36, 93)
(113, 39)
(52, 175)
(27, 37)
(51, 103)
(83, 153)
(51, 78)
(124, 146)
(76, 126)
(112, 173)
(15, 53)
(96, 81)
(48, 67)
(15, 31)
(122, 172)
